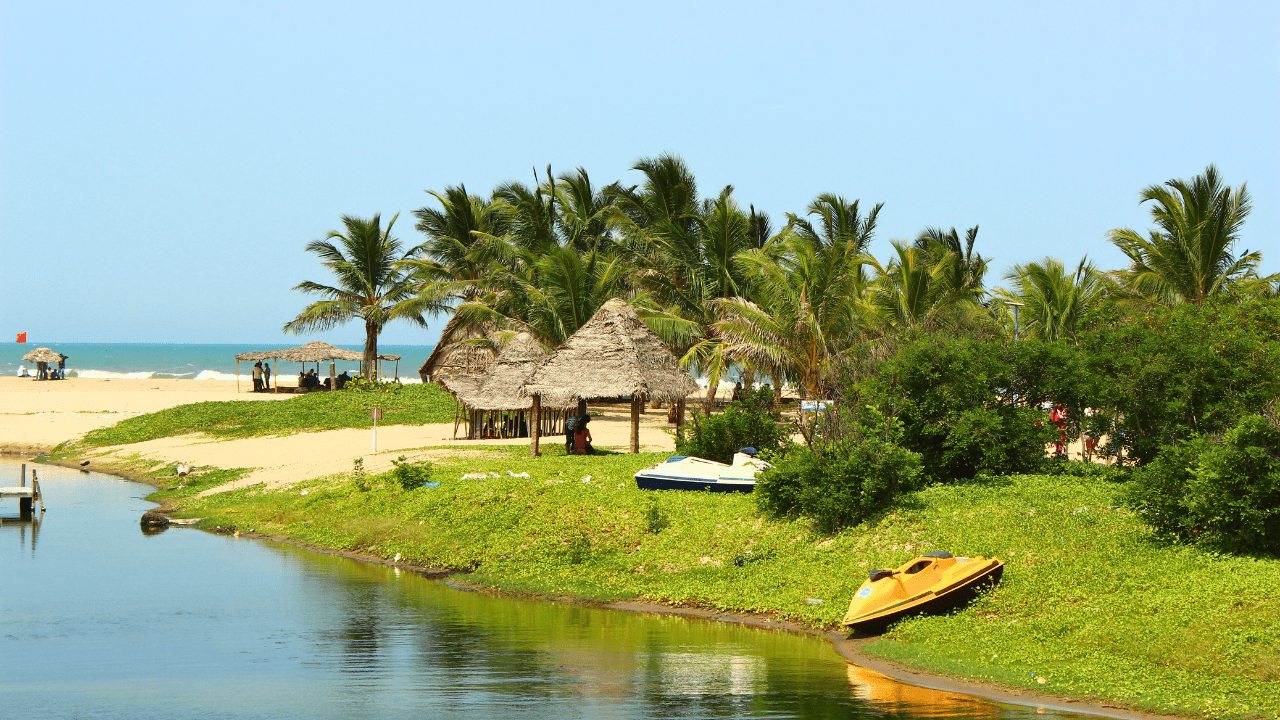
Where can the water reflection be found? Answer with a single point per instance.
(189, 624)
(20, 526)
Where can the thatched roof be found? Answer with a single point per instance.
(311, 352)
(461, 385)
(614, 354)
(453, 355)
(44, 354)
(502, 388)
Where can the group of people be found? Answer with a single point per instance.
(46, 371)
(261, 376)
(577, 438)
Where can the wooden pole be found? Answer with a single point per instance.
(237, 377)
(636, 400)
(275, 373)
(536, 430)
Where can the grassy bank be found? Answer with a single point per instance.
(401, 405)
(1090, 602)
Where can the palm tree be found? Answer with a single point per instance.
(372, 284)
(451, 264)
(806, 313)
(919, 286)
(838, 221)
(1189, 256)
(1057, 301)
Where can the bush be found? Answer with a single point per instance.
(752, 421)
(971, 406)
(1175, 373)
(412, 475)
(839, 483)
(1221, 492)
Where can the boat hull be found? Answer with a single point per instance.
(931, 602)
(652, 482)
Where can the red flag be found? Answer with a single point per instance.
(22, 337)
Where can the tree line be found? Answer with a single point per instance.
(726, 289)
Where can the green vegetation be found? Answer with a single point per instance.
(1092, 600)
(407, 404)
(1220, 492)
(751, 421)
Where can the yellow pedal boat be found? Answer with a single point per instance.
(933, 582)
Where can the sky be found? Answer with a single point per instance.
(163, 165)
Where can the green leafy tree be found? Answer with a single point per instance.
(1190, 255)
(372, 284)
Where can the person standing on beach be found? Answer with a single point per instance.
(257, 376)
(266, 376)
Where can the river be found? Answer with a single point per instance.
(101, 621)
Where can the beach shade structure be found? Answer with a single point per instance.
(465, 348)
(495, 405)
(316, 352)
(44, 355)
(613, 354)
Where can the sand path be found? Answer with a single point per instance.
(281, 461)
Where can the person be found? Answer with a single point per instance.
(1058, 416)
(257, 376)
(582, 437)
(737, 392)
(342, 379)
(266, 376)
(22, 371)
(43, 370)
(62, 368)
(312, 382)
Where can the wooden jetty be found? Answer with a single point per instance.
(27, 496)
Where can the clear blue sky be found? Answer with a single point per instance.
(163, 164)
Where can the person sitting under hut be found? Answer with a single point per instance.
(343, 379)
(582, 437)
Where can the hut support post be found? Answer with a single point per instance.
(237, 377)
(275, 370)
(536, 426)
(636, 402)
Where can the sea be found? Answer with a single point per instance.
(183, 361)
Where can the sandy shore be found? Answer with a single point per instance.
(36, 416)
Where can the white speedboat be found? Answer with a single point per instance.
(680, 472)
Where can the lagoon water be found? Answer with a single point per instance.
(101, 621)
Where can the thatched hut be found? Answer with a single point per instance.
(313, 352)
(465, 348)
(48, 357)
(495, 404)
(613, 354)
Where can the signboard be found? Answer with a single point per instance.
(375, 414)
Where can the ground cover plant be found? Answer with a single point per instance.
(409, 404)
(1092, 601)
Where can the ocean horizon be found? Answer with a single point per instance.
(191, 361)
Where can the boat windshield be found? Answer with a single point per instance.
(918, 567)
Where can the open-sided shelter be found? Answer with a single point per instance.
(313, 352)
(613, 354)
(495, 404)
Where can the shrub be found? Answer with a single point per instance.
(752, 421)
(656, 520)
(412, 475)
(971, 406)
(839, 483)
(1175, 373)
(1222, 492)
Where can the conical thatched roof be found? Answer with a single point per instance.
(44, 354)
(502, 387)
(614, 354)
(453, 355)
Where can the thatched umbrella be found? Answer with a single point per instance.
(463, 349)
(44, 355)
(501, 390)
(613, 354)
(315, 352)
